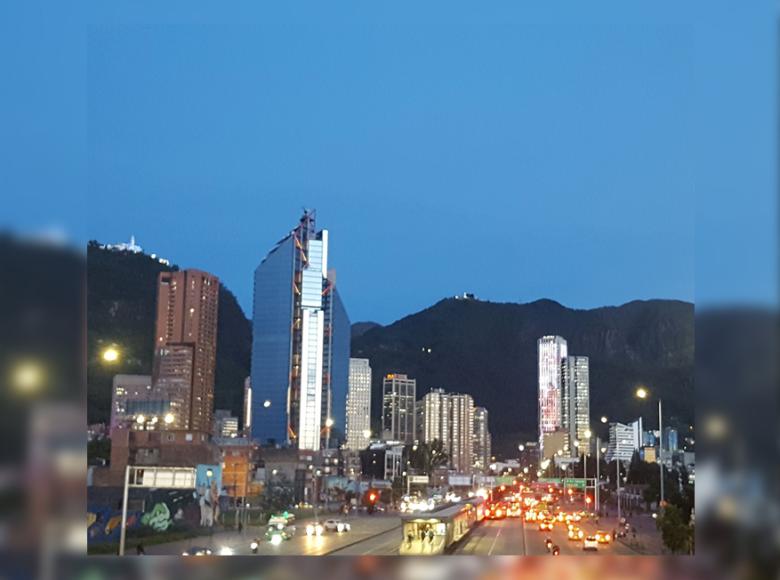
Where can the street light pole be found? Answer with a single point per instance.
(598, 477)
(617, 469)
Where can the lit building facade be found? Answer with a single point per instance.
(399, 417)
(449, 417)
(482, 442)
(186, 346)
(552, 351)
(134, 404)
(300, 344)
(247, 427)
(575, 407)
(359, 404)
(624, 440)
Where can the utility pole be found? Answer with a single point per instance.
(617, 469)
(661, 451)
(598, 477)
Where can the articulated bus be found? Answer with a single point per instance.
(431, 533)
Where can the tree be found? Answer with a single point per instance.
(428, 456)
(675, 531)
(277, 495)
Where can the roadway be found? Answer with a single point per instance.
(380, 535)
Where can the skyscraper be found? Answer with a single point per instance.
(359, 404)
(300, 344)
(186, 346)
(399, 415)
(482, 443)
(461, 443)
(552, 351)
(575, 408)
(623, 441)
(449, 417)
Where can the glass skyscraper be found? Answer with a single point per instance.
(300, 344)
(359, 404)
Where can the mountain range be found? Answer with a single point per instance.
(482, 348)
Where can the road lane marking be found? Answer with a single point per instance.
(493, 545)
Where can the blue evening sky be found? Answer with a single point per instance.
(588, 152)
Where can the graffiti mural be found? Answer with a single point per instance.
(159, 519)
(163, 509)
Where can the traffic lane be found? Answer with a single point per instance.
(560, 537)
(383, 544)
(494, 538)
(363, 527)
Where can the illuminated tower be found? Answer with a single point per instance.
(300, 344)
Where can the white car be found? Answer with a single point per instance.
(590, 543)
(314, 529)
(337, 526)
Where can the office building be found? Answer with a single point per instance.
(225, 424)
(671, 443)
(134, 404)
(575, 407)
(552, 351)
(399, 417)
(300, 344)
(185, 346)
(482, 442)
(624, 440)
(359, 404)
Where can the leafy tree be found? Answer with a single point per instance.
(98, 451)
(428, 456)
(277, 495)
(675, 531)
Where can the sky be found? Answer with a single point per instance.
(590, 153)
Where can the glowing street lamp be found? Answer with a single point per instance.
(641, 393)
(27, 377)
(604, 419)
(110, 354)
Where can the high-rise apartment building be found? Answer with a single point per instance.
(552, 351)
(300, 344)
(482, 443)
(449, 417)
(461, 443)
(185, 346)
(575, 406)
(399, 417)
(359, 404)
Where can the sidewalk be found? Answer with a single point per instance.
(648, 539)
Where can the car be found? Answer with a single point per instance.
(546, 525)
(284, 533)
(590, 543)
(495, 512)
(603, 537)
(576, 534)
(336, 526)
(315, 529)
(197, 551)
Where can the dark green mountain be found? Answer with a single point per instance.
(488, 350)
(121, 302)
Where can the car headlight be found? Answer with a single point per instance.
(225, 551)
(340, 527)
(185, 553)
(309, 530)
(253, 546)
(318, 530)
(276, 539)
